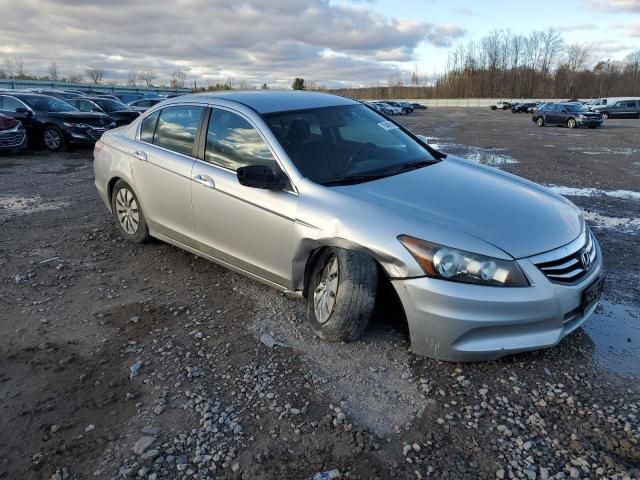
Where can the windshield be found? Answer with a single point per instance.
(576, 108)
(346, 144)
(109, 105)
(47, 104)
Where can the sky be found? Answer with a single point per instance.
(330, 42)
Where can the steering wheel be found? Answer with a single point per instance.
(358, 155)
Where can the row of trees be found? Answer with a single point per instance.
(13, 68)
(504, 65)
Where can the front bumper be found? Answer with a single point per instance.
(463, 322)
(13, 139)
(85, 136)
(589, 122)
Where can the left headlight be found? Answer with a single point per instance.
(446, 263)
(76, 125)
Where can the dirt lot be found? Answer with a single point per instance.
(121, 361)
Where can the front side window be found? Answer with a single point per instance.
(177, 127)
(232, 142)
(346, 144)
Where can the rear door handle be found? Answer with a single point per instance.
(205, 180)
(140, 155)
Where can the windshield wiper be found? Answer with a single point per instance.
(414, 165)
(351, 179)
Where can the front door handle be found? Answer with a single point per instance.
(140, 155)
(205, 180)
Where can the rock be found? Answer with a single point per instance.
(294, 411)
(135, 369)
(235, 467)
(406, 449)
(271, 342)
(149, 430)
(158, 409)
(142, 444)
(328, 475)
(500, 473)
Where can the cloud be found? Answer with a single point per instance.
(614, 6)
(261, 40)
(634, 29)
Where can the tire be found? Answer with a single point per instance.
(540, 122)
(605, 115)
(493, 107)
(353, 279)
(571, 123)
(126, 212)
(53, 139)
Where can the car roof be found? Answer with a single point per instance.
(271, 101)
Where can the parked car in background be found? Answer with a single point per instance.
(144, 103)
(53, 121)
(119, 112)
(60, 94)
(13, 136)
(319, 196)
(403, 108)
(500, 105)
(623, 108)
(418, 106)
(129, 97)
(522, 107)
(407, 105)
(378, 107)
(390, 108)
(571, 115)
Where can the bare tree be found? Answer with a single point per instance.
(95, 74)
(53, 72)
(577, 57)
(632, 69)
(177, 79)
(132, 78)
(148, 76)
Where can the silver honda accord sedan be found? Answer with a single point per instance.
(322, 197)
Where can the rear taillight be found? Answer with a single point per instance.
(97, 148)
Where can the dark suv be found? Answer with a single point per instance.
(119, 112)
(629, 108)
(568, 114)
(53, 121)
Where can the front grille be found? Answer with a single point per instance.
(12, 138)
(573, 267)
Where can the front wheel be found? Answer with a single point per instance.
(605, 115)
(571, 123)
(54, 139)
(540, 122)
(341, 295)
(128, 214)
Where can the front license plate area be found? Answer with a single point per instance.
(592, 294)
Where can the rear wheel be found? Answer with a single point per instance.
(128, 214)
(54, 139)
(341, 295)
(571, 123)
(540, 122)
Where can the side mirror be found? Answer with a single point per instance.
(24, 111)
(261, 176)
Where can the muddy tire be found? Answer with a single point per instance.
(342, 293)
(127, 213)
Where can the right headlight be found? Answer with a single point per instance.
(446, 263)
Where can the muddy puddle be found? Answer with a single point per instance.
(615, 332)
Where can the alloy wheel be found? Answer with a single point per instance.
(324, 296)
(571, 123)
(52, 139)
(127, 211)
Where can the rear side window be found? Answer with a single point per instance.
(11, 104)
(631, 104)
(232, 142)
(177, 127)
(148, 127)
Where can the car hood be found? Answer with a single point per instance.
(515, 215)
(7, 122)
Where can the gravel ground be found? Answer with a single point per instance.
(121, 361)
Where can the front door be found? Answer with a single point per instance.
(249, 228)
(161, 164)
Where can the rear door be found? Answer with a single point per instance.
(161, 166)
(248, 228)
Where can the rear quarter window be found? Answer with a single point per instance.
(148, 127)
